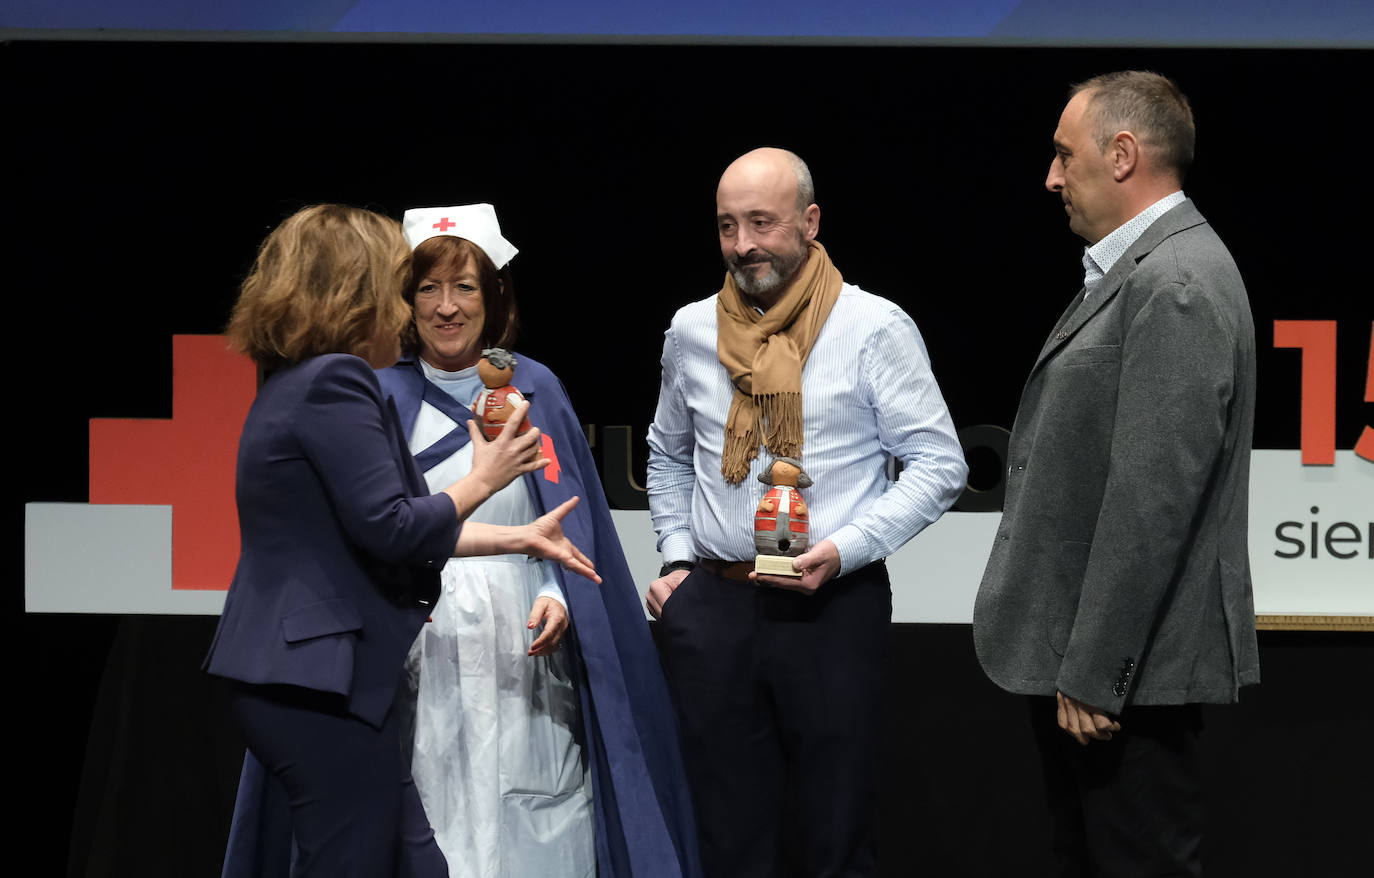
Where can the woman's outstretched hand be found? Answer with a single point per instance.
(544, 538)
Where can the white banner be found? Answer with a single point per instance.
(1311, 550)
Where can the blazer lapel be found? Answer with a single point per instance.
(1078, 314)
(415, 480)
(1184, 216)
(1057, 334)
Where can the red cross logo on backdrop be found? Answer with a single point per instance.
(444, 225)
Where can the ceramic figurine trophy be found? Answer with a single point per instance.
(781, 521)
(495, 404)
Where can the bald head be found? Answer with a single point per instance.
(769, 165)
(766, 216)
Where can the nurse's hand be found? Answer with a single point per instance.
(554, 617)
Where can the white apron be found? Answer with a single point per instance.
(497, 753)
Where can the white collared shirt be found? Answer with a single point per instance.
(1100, 257)
(867, 395)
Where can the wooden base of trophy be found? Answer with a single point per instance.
(775, 565)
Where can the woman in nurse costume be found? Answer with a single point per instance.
(545, 742)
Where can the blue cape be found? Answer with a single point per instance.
(644, 822)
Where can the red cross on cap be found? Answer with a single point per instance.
(444, 225)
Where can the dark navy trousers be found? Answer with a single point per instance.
(779, 697)
(1130, 807)
(355, 812)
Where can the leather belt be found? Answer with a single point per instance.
(737, 570)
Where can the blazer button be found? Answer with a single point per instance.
(1123, 676)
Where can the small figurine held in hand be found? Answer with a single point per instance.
(494, 405)
(781, 530)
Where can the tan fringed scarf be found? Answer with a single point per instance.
(764, 354)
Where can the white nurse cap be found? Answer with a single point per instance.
(475, 222)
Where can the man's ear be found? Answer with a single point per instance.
(811, 222)
(1124, 151)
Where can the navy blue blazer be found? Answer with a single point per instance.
(644, 821)
(341, 542)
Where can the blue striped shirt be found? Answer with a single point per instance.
(868, 395)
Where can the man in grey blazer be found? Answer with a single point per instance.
(1117, 595)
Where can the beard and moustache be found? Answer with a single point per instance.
(784, 267)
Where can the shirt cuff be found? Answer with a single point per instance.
(678, 547)
(551, 590)
(854, 548)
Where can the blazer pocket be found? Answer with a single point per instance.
(1067, 571)
(1104, 353)
(335, 616)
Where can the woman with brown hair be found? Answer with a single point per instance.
(342, 542)
(533, 686)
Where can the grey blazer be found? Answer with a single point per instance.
(1120, 573)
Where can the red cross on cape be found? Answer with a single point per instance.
(546, 450)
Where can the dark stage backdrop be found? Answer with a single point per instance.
(140, 177)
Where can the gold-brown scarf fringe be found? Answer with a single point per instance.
(782, 423)
(782, 418)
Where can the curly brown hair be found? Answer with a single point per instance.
(327, 280)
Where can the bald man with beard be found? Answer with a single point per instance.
(777, 678)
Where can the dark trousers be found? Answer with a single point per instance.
(354, 808)
(1130, 807)
(778, 694)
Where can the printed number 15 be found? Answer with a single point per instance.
(1317, 340)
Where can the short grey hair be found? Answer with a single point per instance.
(806, 189)
(1150, 106)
